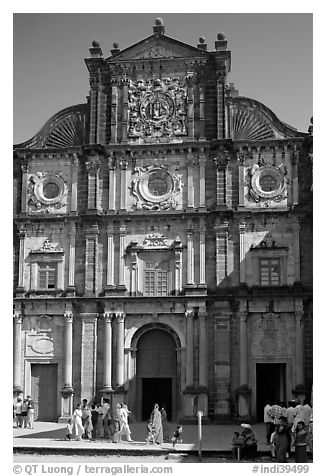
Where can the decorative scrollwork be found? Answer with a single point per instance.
(157, 109)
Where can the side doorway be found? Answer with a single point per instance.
(44, 391)
(270, 384)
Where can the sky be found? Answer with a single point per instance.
(271, 58)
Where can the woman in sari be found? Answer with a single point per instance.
(77, 421)
(301, 440)
(157, 424)
(165, 426)
(282, 437)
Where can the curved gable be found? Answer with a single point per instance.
(67, 128)
(252, 120)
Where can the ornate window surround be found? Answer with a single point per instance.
(269, 250)
(154, 245)
(48, 253)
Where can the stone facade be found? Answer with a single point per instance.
(167, 205)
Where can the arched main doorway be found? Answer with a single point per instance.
(156, 371)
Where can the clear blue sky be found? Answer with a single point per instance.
(271, 57)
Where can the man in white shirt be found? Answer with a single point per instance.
(268, 420)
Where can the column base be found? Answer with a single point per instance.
(67, 394)
(121, 289)
(17, 390)
(71, 291)
(118, 396)
(110, 290)
(20, 291)
(244, 394)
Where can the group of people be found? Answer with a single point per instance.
(92, 421)
(244, 445)
(289, 426)
(24, 412)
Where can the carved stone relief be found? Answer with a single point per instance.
(46, 193)
(266, 183)
(157, 109)
(155, 188)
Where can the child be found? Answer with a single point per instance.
(151, 434)
(237, 445)
(69, 429)
(176, 438)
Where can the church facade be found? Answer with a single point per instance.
(162, 243)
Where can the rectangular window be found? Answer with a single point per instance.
(47, 276)
(156, 282)
(269, 272)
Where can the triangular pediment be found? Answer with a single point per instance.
(158, 46)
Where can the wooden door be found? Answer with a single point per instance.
(44, 391)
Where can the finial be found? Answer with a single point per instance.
(158, 26)
(202, 45)
(115, 50)
(221, 36)
(95, 44)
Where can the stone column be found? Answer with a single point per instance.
(178, 265)
(18, 320)
(72, 248)
(125, 86)
(202, 348)
(74, 183)
(295, 181)
(24, 169)
(241, 161)
(202, 252)
(221, 231)
(93, 167)
(190, 82)
(220, 86)
(201, 112)
(123, 172)
(107, 379)
(134, 273)
(110, 257)
(112, 183)
(243, 395)
(93, 113)
(190, 349)
(22, 236)
(299, 347)
(242, 252)
(296, 243)
(91, 261)
(120, 316)
(34, 267)
(190, 187)
(114, 111)
(67, 390)
(122, 279)
(190, 254)
(202, 184)
(69, 318)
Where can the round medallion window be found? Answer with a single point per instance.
(156, 185)
(268, 182)
(51, 190)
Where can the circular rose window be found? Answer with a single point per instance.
(49, 189)
(156, 185)
(268, 182)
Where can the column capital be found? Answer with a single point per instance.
(123, 164)
(92, 231)
(24, 165)
(189, 314)
(107, 316)
(120, 317)
(93, 164)
(110, 229)
(299, 316)
(202, 314)
(18, 317)
(69, 316)
(122, 229)
(72, 229)
(243, 316)
(221, 227)
(202, 160)
(22, 232)
(242, 226)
